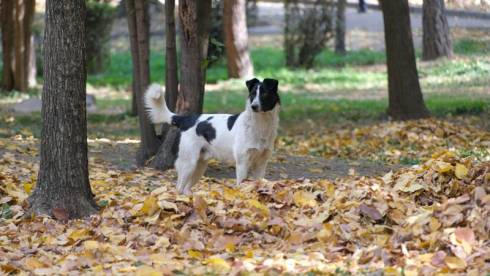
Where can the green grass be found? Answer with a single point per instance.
(469, 46)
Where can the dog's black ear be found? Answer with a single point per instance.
(271, 84)
(251, 83)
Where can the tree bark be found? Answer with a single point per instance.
(63, 182)
(340, 27)
(236, 39)
(138, 23)
(405, 96)
(171, 79)
(436, 37)
(195, 21)
(7, 22)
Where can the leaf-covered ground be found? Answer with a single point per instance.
(424, 219)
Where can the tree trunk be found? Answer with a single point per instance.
(405, 96)
(63, 182)
(7, 26)
(340, 27)
(24, 15)
(138, 23)
(171, 79)
(166, 155)
(236, 39)
(436, 37)
(195, 21)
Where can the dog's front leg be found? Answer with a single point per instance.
(242, 167)
(257, 170)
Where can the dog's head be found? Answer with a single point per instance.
(263, 96)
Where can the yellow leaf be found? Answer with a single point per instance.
(91, 245)
(443, 167)
(218, 263)
(325, 234)
(194, 254)
(455, 263)
(259, 206)
(150, 206)
(32, 263)
(249, 254)
(28, 187)
(79, 234)
(304, 199)
(147, 271)
(231, 194)
(460, 171)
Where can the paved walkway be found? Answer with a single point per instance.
(372, 21)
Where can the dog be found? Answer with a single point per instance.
(246, 139)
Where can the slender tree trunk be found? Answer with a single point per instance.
(138, 23)
(195, 21)
(17, 17)
(340, 27)
(7, 26)
(405, 96)
(436, 38)
(31, 78)
(63, 183)
(171, 79)
(236, 39)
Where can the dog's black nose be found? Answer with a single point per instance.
(255, 107)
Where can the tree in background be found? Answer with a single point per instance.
(63, 188)
(100, 16)
(436, 37)
(340, 27)
(236, 39)
(405, 96)
(16, 26)
(171, 78)
(139, 29)
(307, 30)
(195, 22)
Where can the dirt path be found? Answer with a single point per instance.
(121, 157)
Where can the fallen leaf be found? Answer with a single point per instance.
(370, 212)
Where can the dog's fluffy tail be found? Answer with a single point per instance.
(156, 105)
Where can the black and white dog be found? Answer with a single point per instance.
(247, 138)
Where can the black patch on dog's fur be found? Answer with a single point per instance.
(232, 120)
(184, 122)
(209, 118)
(206, 130)
(268, 94)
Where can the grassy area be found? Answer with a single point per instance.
(349, 88)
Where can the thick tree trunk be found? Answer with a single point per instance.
(195, 21)
(7, 21)
(63, 182)
(171, 80)
(138, 23)
(236, 39)
(405, 96)
(340, 27)
(436, 37)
